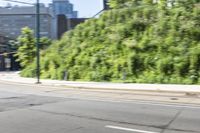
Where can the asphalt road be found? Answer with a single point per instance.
(36, 109)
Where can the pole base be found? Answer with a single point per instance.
(38, 82)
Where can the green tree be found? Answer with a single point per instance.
(45, 43)
(122, 3)
(26, 50)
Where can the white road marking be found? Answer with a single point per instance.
(141, 102)
(166, 104)
(128, 129)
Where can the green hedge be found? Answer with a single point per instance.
(144, 43)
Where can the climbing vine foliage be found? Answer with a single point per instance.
(138, 41)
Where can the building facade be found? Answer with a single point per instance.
(61, 7)
(7, 58)
(13, 19)
(3, 44)
(65, 24)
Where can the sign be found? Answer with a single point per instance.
(7, 63)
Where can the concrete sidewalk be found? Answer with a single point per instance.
(14, 77)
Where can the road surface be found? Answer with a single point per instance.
(43, 109)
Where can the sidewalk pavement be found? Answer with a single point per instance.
(14, 77)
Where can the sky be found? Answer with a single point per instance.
(86, 8)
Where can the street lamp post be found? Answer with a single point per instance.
(38, 40)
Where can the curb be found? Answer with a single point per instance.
(164, 88)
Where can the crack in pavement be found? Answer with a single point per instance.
(162, 127)
(171, 121)
(29, 105)
(75, 129)
(7, 98)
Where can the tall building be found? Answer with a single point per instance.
(64, 7)
(65, 24)
(61, 7)
(13, 19)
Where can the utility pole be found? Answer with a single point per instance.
(105, 5)
(38, 41)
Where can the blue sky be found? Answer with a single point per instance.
(86, 8)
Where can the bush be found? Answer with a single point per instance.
(136, 41)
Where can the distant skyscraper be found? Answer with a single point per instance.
(61, 7)
(64, 7)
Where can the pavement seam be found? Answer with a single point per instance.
(30, 106)
(173, 119)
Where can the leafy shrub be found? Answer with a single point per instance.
(136, 41)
